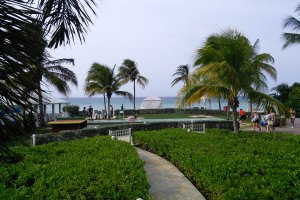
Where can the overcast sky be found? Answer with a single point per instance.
(160, 35)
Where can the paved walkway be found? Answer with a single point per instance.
(166, 181)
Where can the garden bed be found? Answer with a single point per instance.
(225, 165)
(92, 168)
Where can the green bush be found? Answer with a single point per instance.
(226, 165)
(73, 110)
(93, 168)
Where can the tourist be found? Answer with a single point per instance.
(293, 117)
(242, 116)
(111, 111)
(271, 120)
(255, 120)
(84, 111)
(90, 110)
(282, 120)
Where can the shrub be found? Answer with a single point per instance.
(93, 168)
(226, 165)
(73, 110)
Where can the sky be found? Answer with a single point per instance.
(160, 35)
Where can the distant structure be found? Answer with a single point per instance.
(152, 103)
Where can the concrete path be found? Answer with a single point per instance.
(166, 181)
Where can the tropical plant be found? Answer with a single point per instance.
(102, 80)
(229, 66)
(182, 74)
(288, 95)
(294, 24)
(64, 21)
(129, 72)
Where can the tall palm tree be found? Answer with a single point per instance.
(225, 66)
(294, 24)
(129, 72)
(182, 74)
(102, 80)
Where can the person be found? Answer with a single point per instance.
(84, 111)
(242, 116)
(293, 116)
(111, 111)
(271, 120)
(282, 120)
(90, 110)
(263, 122)
(255, 120)
(122, 107)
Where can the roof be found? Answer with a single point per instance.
(152, 98)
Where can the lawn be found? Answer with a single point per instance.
(225, 165)
(91, 168)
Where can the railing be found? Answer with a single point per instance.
(200, 128)
(124, 135)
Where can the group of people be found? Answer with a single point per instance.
(267, 120)
(88, 112)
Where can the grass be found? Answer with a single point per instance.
(92, 168)
(224, 165)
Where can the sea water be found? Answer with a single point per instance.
(167, 102)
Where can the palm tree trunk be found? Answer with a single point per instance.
(108, 106)
(134, 95)
(235, 125)
(219, 101)
(104, 103)
(41, 115)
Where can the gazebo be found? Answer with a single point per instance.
(151, 102)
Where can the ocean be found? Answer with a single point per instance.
(167, 102)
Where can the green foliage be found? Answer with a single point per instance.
(94, 168)
(224, 165)
(73, 110)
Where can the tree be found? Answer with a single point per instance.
(288, 95)
(294, 24)
(225, 67)
(182, 74)
(129, 72)
(102, 80)
(64, 20)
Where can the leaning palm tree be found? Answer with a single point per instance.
(102, 80)
(225, 67)
(182, 74)
(292, 38)
(50, 72)
(64, 20)
(129, 72)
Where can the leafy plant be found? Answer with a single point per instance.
(224, 165)
(93, 168)
(73, 110)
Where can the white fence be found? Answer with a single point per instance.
(200, 128)
(124, 135)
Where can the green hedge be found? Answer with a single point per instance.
(93, 168)
(224, 165)
(103, 130)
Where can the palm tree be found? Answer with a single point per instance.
(182, 74)
(294, 23)
(129, 72)
(64, 19)
(226, 67)
(102, 80)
